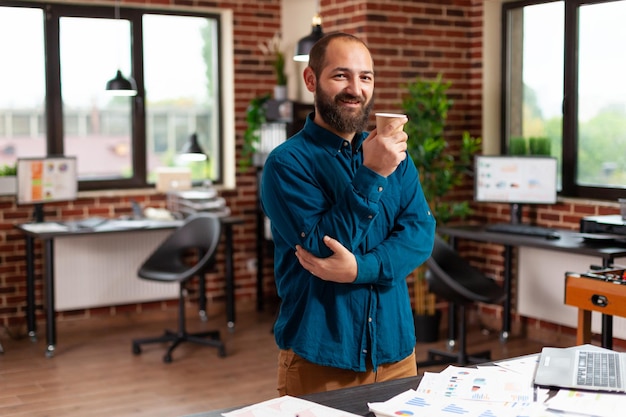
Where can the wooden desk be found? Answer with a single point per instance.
(591, 294)
(48, 235)
(569, 242)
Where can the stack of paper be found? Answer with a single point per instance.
(287, 406)
(504, 390)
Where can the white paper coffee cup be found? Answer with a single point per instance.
(383, 119)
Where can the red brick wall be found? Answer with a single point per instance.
(407, 39)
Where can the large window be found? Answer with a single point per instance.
(54, 101)
(564, 82)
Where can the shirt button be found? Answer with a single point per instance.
(380, 189)
(364, 350)
(345, 144)
(369, 319)
(302, 234)
(370, 217)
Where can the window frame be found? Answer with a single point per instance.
(139, 142)
(569, 159)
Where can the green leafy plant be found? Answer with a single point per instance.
(8, 170)
(273, 49)
(255, 117)
(426, 104)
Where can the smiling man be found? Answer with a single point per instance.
(349, 223)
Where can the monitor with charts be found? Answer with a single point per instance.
(516, 180)
(46, 179)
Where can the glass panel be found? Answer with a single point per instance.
(602, 95)
(22, 86)
(97, 125)
(180, 66)
(535, 45)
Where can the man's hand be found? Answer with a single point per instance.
(338, 267)
(383, 151)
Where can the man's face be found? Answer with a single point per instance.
(343, 93)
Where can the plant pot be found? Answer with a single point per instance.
(280, 92)
(8, 185)
(427, 327)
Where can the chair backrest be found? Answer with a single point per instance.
(454, 279)
(200, 232)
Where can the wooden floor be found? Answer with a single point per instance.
(94, 372)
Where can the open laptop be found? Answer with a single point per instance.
(585, 367)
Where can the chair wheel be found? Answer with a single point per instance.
(136, 349)
(167, 358)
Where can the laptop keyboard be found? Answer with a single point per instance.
(599, 369)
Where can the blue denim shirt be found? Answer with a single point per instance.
(313, 185)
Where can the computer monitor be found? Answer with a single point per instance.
(46, 179)
(516, 180)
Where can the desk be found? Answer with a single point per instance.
(47, 234)
(569, 242)
(353, 400)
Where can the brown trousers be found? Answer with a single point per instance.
(297, 376)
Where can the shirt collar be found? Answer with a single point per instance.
(327, 139)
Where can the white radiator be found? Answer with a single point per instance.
(541, 288)
(101, 270)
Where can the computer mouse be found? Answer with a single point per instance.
(553, 236)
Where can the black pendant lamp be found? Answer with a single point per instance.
(192, 151)
(305, 44)
(118, 85)
(121, 86)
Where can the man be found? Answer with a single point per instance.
(349, 223)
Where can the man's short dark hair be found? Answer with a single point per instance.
(317, 55)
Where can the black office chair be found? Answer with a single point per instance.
(452, 278)
(175, 261)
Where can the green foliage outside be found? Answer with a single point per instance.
(8, 170)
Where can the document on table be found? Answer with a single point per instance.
(487, 383)
(45, 227)
(588, 403)
(288, 406)
(504, 390)
(414, 403)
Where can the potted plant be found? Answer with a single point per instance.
(8, 181)
(273, 49)
(426, 105)
(255, 117)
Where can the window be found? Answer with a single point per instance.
(563, 81)
(62, 108)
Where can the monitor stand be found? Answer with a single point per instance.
(516, 213)
(38, 213)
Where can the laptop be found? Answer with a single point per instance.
(585, 367)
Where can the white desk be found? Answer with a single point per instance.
(48, 232)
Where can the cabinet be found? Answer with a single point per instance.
(284, 119)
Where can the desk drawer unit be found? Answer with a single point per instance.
(595, 295)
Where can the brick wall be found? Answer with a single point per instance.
(407, 39)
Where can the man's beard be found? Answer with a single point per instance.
(342, 119)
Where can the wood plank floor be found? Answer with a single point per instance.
(94, 372)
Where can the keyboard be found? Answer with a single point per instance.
(87, 223)
(598, 369)
(523, 229)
